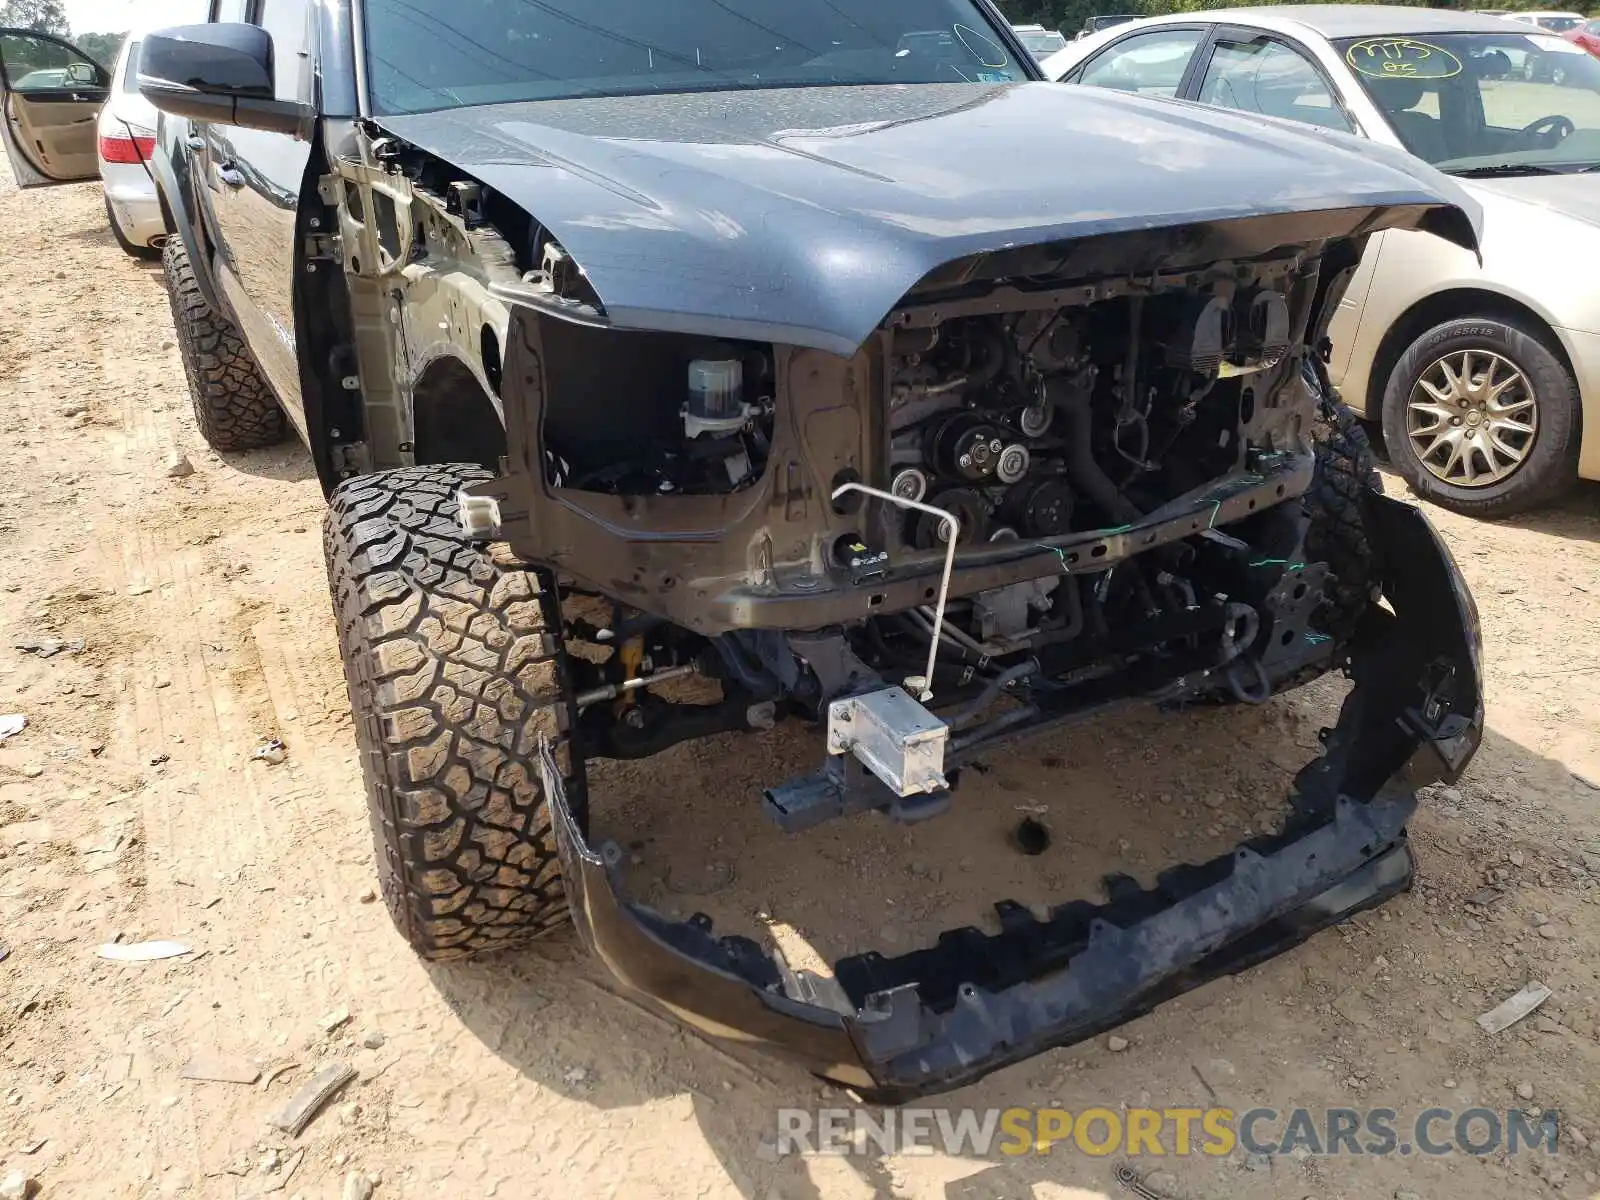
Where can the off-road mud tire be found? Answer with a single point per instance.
(455, 665)
(233, 404)
(1337, 535)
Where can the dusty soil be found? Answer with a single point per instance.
(131, 809)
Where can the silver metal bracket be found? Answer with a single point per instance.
(894, 737)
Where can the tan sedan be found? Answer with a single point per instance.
(1486, 376)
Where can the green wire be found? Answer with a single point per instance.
(1058, 552)
(1216, 508)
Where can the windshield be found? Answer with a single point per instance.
(432, 54)
(1559, 24)
(1485, 103)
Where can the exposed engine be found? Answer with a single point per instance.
(1037, 424)
(1033, 426)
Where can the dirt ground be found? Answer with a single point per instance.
(131, 809)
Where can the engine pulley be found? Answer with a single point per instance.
(966, 505)
(909, 483)
(966, 447)
(1014, 463)
(1042, 509)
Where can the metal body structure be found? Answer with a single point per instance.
(1106, 389)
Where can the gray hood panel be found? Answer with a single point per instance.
(804, 215)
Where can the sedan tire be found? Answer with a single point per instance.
(1481, 417)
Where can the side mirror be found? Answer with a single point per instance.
(220, 73)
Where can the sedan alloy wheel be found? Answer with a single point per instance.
(1472, 418)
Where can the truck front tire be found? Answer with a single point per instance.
(233, 405)
(1337, 535)
(456, 667)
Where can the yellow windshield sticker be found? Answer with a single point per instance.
(1401, 58)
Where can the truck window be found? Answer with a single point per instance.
(431, 54)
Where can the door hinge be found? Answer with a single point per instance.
(350, 458)
(323, 247)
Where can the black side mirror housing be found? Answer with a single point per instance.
(222, 73)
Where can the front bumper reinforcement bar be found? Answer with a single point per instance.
(938, 1017)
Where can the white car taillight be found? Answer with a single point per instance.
(130, 148)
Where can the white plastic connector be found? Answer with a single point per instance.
(479, 516)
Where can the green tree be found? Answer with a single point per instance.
(41, 16)
(102, 47)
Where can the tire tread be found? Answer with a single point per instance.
(233, 404)
(455, 667)
(1336, 534)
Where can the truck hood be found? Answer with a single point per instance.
(804, 215)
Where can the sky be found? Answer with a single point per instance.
(113, 16)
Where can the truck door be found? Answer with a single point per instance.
(50, 97)
(255, 178)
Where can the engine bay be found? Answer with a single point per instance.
(1030, 424)
(1038, 424)
(1125, 452)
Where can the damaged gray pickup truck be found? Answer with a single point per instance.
(815, 349)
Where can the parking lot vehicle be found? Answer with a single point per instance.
(74, 110)
(1552, 22)
(1105, 21)
(126, 144)
(1485, 370)
(50, 94)
(668, 346)
(1587, 36)
(1039, 41)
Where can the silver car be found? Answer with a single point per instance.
(1486, 376)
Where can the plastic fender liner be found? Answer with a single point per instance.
(942, 1016)
(173, 191)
